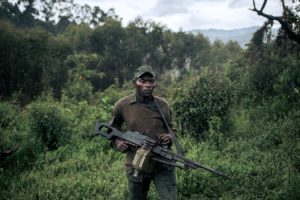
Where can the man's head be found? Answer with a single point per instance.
(144, 81)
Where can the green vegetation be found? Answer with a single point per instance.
(235, 109)
(200, 98)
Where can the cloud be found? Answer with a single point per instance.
(173, 7)
(238, 4)
(168, 8)
(190, 14)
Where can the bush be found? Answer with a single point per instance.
(8, 113)
(200, 98)
(12, 128)
(50, 124)
(265, 153)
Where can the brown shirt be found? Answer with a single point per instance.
(140, 117)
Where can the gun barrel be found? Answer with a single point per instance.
(182, 162)
(194, 165)
(210, 170)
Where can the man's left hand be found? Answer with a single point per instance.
(164, 139)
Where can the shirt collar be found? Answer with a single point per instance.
(134, 99)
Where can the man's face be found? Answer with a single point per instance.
(145, 85)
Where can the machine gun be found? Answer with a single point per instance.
(161, 153)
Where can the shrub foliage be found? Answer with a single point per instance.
(201, 97)
(50, 124)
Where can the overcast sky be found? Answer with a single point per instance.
(189, 14)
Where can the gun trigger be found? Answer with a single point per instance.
(134, 147)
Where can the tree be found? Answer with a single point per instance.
(135, 44)
(81, 76)
(202, 54)
(108, 41)
(155, 41)
(45, 13)
(79, 37)
(289, 21)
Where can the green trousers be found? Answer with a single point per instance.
(163, 178)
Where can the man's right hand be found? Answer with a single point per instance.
(122, 145)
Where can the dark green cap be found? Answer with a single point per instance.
(143, 70)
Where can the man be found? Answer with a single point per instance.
(139, 112)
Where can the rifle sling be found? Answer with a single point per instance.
(173, 136)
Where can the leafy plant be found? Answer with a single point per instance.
(199, 98)
(50, 124)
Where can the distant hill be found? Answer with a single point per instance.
(242, 36)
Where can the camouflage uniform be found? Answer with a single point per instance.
(146, 119)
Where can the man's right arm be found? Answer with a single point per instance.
(117, 122)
